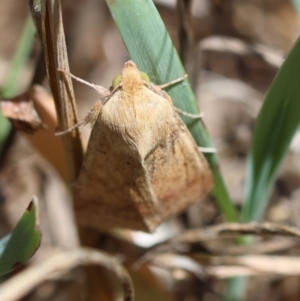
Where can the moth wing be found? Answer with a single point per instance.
(113, 188)
(142, 166)
(183, 176)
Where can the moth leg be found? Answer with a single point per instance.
(77, 125)
(159, 88)
(91, 117)
(93, 113)
(195, 116)
(208, 150)
(98, 88)
(173, 82)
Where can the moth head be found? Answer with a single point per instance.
(117, 80)
(145, 77)
(130, 73)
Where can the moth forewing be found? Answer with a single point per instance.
(183, 177)
(142, 166)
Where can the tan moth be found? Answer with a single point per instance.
(142, 165)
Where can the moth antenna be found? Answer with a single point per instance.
(98, 88)
(195, 116)
(70, 129)
(208, 150)
(173, 82)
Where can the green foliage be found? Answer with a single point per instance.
(5, 128)
(296, 3)
(19, 60)
(10, 87)
(275, 127)
(20, 245)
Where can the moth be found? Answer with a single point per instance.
(142, 166)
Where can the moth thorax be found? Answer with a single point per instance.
(131, 81)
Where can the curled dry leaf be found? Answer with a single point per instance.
(219, 232)
(235, 229)
(32, 111)
(223, 267)
(60, 263)
(174, 261)
(21, 112)
(249, 265)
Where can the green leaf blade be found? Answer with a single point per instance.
(21, 244)
(275, 127)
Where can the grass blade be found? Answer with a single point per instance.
(19, 60)
(10, 87)
(275, 127)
